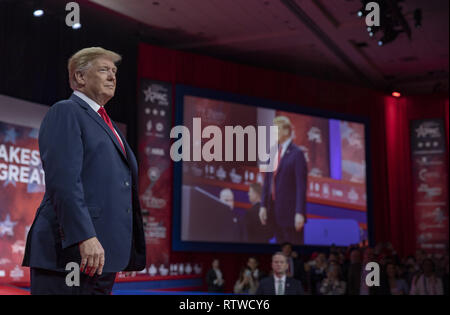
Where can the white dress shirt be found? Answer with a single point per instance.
(285, 145)
(219, 279)
(95, 107)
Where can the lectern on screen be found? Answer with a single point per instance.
(205, 217)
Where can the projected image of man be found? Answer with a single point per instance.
(284, 190)
(237, 235)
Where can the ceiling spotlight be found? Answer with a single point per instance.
(380, 43)
(360, 13)
(76, 26)
(369, 29)
(38, 12)
(371, 34)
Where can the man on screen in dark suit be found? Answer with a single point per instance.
(279, 283)
(284, 190)
(90, 214)
(255, 231)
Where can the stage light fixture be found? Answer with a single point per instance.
(38, 12)
(396, 94)
(38, 8)
(392, 21)
(76, 26)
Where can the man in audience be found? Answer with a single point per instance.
(214, 278)
(255, 231)
(295, 265)
(279, 283)
(354, 273)
(369, 256)
(252, 266)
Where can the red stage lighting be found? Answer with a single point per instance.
(396, 94)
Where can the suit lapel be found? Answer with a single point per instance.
(272, 286)
(130, 155)
(284, 158)
(101, 122)
(287, 286)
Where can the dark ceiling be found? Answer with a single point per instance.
(320, 38)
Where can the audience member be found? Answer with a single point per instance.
(295, 264)
(394, 284)
(332, 284)
(253, 267)
(245, 284)
(214, 278)
(427, 283)
(354, 273)
(279, 283)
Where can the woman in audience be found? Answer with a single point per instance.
(245, 284)
(332, 284)
(318, 272)
(395, 285)
(427, 283)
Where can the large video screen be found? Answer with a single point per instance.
(321, 174)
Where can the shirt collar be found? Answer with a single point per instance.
(90, 102)
(285, 145)
(283, 278)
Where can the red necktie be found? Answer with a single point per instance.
(275, 172)
(104, 115)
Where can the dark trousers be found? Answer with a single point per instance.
(285, 234)
(289, 234)
(47, 282)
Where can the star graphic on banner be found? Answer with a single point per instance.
(7, 226)
(34, 133)
(9, 181)
(10, 136)
(148, 94)
(346, 130)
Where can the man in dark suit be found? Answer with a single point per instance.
(284, 190)
(255, 231)
(295, 264)
(214, 277)
(279, 283)
(90, 214)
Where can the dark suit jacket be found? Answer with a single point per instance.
(255, 231)
(210, 277)
(299, 269)
(290, 187)
(91, 190)
(267, 286)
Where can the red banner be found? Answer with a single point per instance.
(21, 191)
(430, 180)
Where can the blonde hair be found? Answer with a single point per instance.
(283, 121)
(82, 60)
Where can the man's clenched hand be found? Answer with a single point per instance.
(92, 256)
